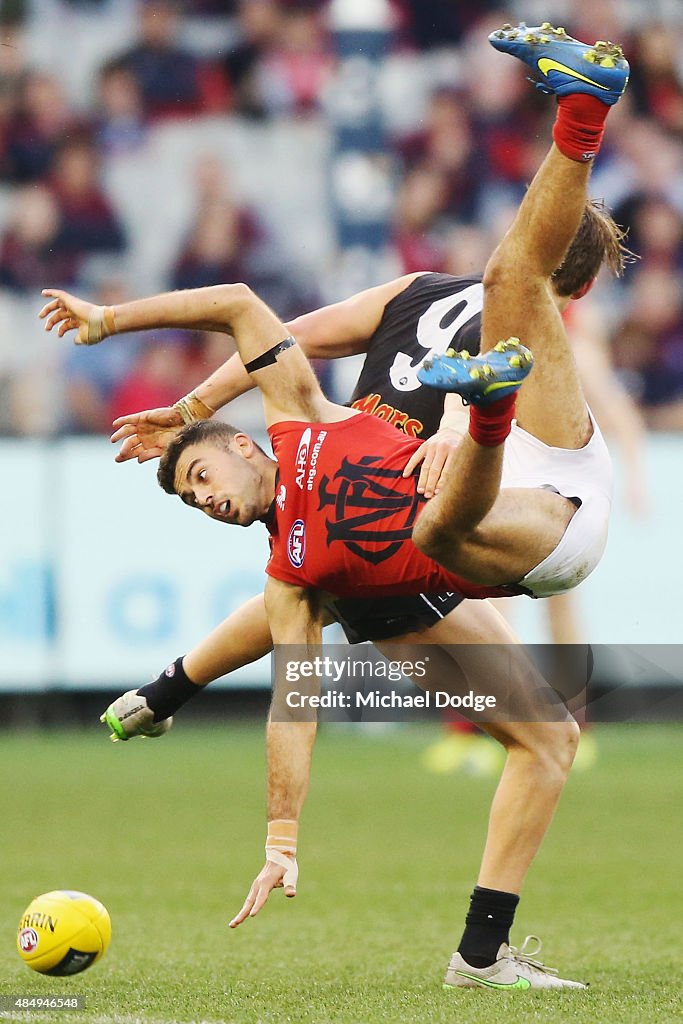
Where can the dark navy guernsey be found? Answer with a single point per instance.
(434, 313)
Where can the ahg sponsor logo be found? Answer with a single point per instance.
(296, 544)
(302, 457)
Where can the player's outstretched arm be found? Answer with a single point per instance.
(338, 330)
(288, 385)
(196, 309)
(295, 618)
(331, 332)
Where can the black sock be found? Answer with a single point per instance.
(170, 691)
(487, 925)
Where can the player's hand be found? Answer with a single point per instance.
(436, 457)
(146, 435)
(130, 715)
(70, 312)
(272, 876)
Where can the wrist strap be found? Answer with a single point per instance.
(193, 408)
(101, 324)
(281, 848)
(282, 836)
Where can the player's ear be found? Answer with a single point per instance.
(243, 445)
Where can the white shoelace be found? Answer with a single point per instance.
(524, 955)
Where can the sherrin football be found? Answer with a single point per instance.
(63, 932)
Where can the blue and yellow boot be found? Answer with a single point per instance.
(564, 65)
(481, 379)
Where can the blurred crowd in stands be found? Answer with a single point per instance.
(151, 145)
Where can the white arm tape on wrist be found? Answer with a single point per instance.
(290, 865)
(95, 326)
(192, 408)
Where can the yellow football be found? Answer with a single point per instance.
(63, 932)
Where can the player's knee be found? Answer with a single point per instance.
(546, 751)
(558, 748)
(496, 272)
(571, 738)
(506, 268)
(511, 274)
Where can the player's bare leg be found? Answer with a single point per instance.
(539, 758)
(518, 275)
(539, 753)
(507, 541)
(519, 300)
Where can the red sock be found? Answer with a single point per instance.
(491, 424)
(579, 126)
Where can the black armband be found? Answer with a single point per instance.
(269, 357)
(170, 691)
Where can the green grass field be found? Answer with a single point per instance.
(169, 836)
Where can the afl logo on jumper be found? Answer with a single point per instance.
(296, 544)
(301, 459)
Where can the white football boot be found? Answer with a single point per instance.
(513, 969)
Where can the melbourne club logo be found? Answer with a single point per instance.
(28, 940)
(368, 514)
(301, 459)
(296, 544)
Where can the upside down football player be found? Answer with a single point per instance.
(541, 533)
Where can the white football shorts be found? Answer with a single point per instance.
(584, 474)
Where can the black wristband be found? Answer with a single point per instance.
(170, 691)
(269, 357)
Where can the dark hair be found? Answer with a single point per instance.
(599, 240)
(218, 434)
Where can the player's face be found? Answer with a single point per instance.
(225, 485)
